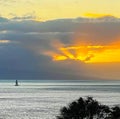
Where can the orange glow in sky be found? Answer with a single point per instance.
(88, 53)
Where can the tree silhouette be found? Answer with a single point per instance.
(88, 108)
(116, 112)
(104, 112)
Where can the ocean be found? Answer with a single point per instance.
(42, 99)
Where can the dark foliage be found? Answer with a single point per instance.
(88, 109)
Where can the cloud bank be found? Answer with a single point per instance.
(29, 48)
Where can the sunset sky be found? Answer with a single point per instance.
(54, 9)
(66, 39)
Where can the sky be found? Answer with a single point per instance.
(50, 39)
(43, 10)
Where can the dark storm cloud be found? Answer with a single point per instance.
(85, 28)
(24, 57)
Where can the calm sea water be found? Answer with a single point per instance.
(42, 99)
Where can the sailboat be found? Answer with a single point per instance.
(16, 83)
